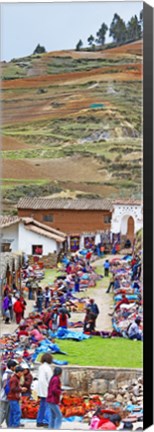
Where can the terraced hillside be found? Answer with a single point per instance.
(72, 124)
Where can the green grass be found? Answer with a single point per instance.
(96, 351)
(50, 276)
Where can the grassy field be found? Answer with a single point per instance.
(96, 351)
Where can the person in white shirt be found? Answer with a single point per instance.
(47, 297)
(44, 376)
(134, 331)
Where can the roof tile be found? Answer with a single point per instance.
(64, 204)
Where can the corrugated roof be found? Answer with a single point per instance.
(45, 233)
(8, 220)
(127, 202)
(64, 204)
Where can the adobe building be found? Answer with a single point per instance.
(86, 222)
(82, 219)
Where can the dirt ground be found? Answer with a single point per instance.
(132, 48)
(58, 169)
(9, 143)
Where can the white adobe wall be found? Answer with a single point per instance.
(29, 238)
(121, 214)
(11, 233)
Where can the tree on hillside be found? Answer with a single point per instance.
(101, 34)
(134, 28)
(118, 29)
(90, 40)
(141, 21)
(79, 45)
(39, 49)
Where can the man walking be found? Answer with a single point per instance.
(4, 402)
(14, 398)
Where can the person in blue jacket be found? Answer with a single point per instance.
(106, 267)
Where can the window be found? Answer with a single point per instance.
(107, 219)
(48, 218)
(37, 250)
(5, 247)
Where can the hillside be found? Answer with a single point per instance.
(71, 124)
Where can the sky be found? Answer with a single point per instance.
(56, 26)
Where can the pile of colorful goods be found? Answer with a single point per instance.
(29, 408)
(127, 295)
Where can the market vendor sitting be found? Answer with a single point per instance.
(36, 336)
(103, 421)
(119, 303)
(134, 331)
(22, 331)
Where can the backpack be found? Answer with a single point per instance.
(7, 386)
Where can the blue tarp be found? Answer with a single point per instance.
(46, 346)
(63, 333)
(128, 296)
(60, 362)
(127, 258)
(65, 260)
(132, 408)
(84, 251)
(73, 419)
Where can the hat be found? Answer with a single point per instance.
(24, 366)
(18, 369)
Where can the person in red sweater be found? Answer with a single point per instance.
(18, 309)
(88, 257)
(53, 399)
(23, 302)
(63, 320)
(110, 423)
(119, 303)
(14, 398)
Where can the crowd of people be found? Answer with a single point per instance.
(53, 306)
(16, 382)
(126, 286)
(13, 305)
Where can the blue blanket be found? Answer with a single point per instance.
(69, 334)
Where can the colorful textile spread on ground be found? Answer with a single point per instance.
(82, 408)
(127, 296)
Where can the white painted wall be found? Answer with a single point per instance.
(28, 238)
(11, 233)
(121, 214)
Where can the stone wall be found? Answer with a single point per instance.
(116, 384)
(49, 260)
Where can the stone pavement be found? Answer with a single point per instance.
(65, 426)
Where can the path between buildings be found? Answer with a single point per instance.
(103, 300)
